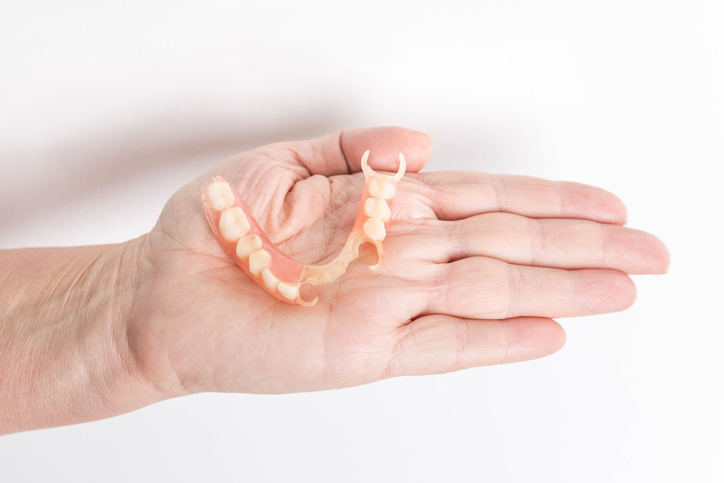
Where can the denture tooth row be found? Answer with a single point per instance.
(234, 227)
(376, 208)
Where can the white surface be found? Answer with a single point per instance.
(106, 108)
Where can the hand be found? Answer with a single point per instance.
(475, 267)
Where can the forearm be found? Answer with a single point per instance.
(64, 353)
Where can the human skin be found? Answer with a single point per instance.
(476, 267)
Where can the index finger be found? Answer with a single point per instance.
(460, 194)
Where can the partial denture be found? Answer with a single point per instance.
(240, 235)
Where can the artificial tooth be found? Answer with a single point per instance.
(377, 208)
(247, 245)
(382, 188)
(220, 195)
(375, 229)
(269, 279)
(233, 224)
(258, 261)
(289, 291)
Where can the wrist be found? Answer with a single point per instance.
(64, 351)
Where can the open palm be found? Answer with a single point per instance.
(475, 268)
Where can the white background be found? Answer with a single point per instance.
(106, 108)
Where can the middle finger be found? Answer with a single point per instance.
(560, 243)
(485, 288)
